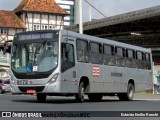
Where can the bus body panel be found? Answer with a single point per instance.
(102, 78)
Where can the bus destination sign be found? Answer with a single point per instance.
(35, 36)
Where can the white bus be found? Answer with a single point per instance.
(60, 62)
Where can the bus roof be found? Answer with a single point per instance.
(104, 41)
(92, 38)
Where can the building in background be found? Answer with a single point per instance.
(10, 24)
(41, 14)
(69, 6)
(31, 15)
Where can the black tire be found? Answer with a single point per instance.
(1, 91)
(80, 95)
(41, 97)
(95, 97)
(129, 95)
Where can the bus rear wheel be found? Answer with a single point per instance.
(1, 91)
(129, 95)
(80, 95)
(95, 97)
(41, 97)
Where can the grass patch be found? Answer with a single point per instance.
(144, 92)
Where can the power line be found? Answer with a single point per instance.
(95, 8)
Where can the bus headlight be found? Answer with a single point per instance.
(53, 79)
(13, 82)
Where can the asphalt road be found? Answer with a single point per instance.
(141, 102)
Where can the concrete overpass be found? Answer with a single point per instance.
(141, 27)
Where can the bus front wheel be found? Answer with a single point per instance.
(80, 95)
(41, 97)
(129, 95)
(1, 91)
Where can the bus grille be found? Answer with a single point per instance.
(37, 88)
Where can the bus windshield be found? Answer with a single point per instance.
(34, 57)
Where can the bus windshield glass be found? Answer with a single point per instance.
(34, 57)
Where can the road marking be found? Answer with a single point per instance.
(148, 99)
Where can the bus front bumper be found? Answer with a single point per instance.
(47, 88)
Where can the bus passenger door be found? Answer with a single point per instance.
(68, 67)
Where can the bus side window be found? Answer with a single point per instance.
(108, 56)
(139, 60)
(67, 56)
(96, 53)
(82, 51)
(129, 59)
(120, 57)
(148, 61)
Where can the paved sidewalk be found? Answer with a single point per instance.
(137, 96)
(147, 96)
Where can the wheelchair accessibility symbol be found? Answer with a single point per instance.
(28, 69)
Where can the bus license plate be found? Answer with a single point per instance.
(22, 82)
(31, 91)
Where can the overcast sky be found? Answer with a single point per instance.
(108, 7)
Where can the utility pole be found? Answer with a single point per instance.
(90, 13)
(80, 17)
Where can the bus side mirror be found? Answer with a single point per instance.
(6, 49)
